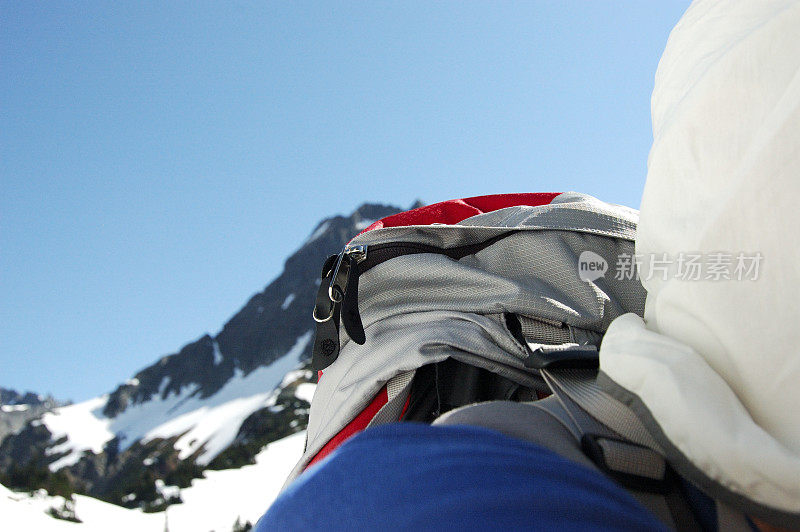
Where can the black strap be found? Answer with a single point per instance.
(639, 468)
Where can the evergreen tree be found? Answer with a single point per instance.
(238, 526)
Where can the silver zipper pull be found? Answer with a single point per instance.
(338, 287)
(335, 292)
(356, 253)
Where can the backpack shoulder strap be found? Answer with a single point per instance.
(582, 423)
(547, 423)
(614, 438)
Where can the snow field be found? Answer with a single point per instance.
(212, 503)
(211, 423)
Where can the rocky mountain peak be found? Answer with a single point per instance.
(215, 403)
(16, 409)
(264, 329)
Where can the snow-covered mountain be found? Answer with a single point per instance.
(16, 409)
(216, 502)
(212, 405)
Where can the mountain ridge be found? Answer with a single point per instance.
(17, 409)
(214, 403)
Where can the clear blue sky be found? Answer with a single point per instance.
(160, 160)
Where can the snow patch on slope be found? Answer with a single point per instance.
(23, 511)
(319, 232)
(207, 426)
(217, 354)
(211, 503)
(14, 408)
(163, 385)
(287, 301)
(363, 224)
(80, 425)
(295, 376)
(305, 391)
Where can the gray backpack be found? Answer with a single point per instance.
(489, 311)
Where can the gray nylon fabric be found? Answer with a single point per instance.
(671, 509)
(397, 390)
(545, 423)
(584, 336)
(570, 211)
(555, 407)
(581, 387)
(425, 308)
(731, 520)
(722, 494)
(544, 333)
(400, 344)
(524, 421)
(529, 274)
(582, 422)
(658, 505)
(399, 384)
(632, 459)
(573, 211)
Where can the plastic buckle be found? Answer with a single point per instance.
(571, 357)
(591, 447)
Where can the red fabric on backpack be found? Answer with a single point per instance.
(454, 211)
(357, 425)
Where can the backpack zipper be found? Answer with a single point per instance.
(353, 255)
(342, 272)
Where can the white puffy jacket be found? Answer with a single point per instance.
(716, 363)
